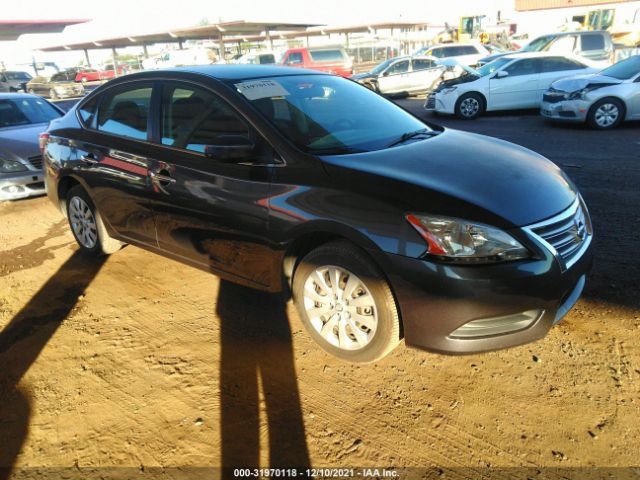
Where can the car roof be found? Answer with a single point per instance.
(15, 95)
(232, 71)
(515, 55)
(574, 32)
(472, 44)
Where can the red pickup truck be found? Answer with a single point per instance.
(334, 60)
(92, 74)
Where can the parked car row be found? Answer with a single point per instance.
(565, 88)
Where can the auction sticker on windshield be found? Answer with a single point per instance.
(256, 89)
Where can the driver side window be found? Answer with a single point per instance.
(193, 118)
(521, 67)
(400, 67)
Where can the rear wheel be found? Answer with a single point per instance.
(346, 303)
(87, 225)
(470, 106)
(606, 113)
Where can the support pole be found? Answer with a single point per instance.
(86, 57)
(180, 44)
(269, 39)
(114, 54)
(221, 48)
(145, 51)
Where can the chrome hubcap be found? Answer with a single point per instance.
(606, 115)
(83, 222)
(340, 307)
(469, 107)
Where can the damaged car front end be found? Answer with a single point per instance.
(602, 100)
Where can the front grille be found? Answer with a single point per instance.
(553, 97)
(568, 233)
(36, 162)
(431, 102)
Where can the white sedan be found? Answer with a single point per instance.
(511, 82)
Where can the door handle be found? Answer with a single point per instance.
(89, 158)
(161, 177)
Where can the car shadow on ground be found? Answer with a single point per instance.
(24, 338)
(257, 353)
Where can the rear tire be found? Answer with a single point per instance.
(470, 106)
(355, 317)
(606, 114)
(87, 226)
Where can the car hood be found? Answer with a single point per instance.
(21, 141)
(462, 174)
(578, 82)
(362, 76)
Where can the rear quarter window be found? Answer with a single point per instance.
(327, 55)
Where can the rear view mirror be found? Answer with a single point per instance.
(230, 147)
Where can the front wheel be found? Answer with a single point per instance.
(87, 226)
(469, 106)
(346, 303)
(605, 114)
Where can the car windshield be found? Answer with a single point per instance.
(25, 111)
(379, 68)
(623, 70)
(17, 75)
(491, 67)
(538, 44)
(325, 114)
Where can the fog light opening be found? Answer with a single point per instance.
(488, 327)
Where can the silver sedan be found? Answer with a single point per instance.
(603, 100)
(22, 118)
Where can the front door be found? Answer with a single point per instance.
(518, 89)
(210, 211)
(395, 78)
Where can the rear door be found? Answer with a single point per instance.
(594, 46)
(517, 90)
(112, 158)
(554, 68)
(209, 211)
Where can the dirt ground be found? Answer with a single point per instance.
(138, 362)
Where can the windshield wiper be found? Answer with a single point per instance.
(334, 150)
(410, 135)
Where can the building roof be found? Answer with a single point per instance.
(12, 29)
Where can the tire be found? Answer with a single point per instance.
(605, 114)
(362, 332)
(470, 106)
(53, 95)
(83, 79)
(87, 226)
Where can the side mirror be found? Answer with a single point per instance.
(229, 148)
(385, 73)
(501, 74)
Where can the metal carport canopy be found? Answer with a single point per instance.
(226, 31)
(12, 29)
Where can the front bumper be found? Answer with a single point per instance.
(566, 110)
(436, 102)
(436, 299)
(19, 185)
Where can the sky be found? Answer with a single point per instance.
(130, 17)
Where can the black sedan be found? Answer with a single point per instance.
(380, 225)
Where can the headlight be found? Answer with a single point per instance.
(457, 240)
(579, 95)
(448, 90)
(11, 166)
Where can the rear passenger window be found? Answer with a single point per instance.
(420, 64)
(326, 55)
(437, 52)
(592, 42)
(468, 50)
(193, 118)
(125, 113)
(558, 64)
